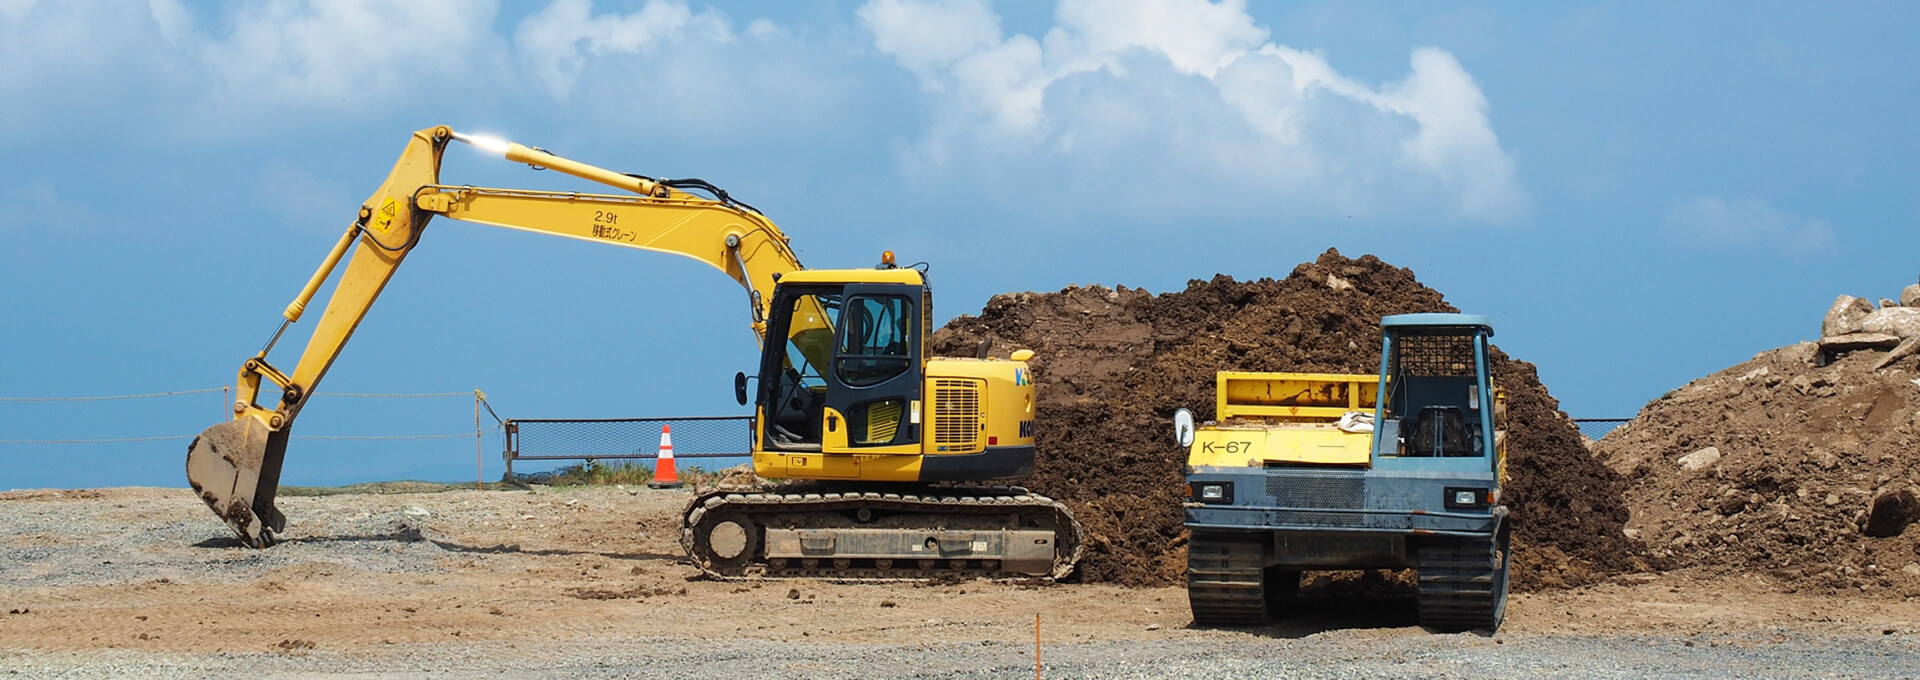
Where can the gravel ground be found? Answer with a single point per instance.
(589, 583)
(1220, 656)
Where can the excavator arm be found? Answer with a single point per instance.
(234, 466)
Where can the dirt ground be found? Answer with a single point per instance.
(151, 570)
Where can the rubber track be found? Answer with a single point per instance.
(1463, 584)
(934, 502)
(1224, 586)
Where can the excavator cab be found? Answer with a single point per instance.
(847, 377)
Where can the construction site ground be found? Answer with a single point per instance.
(590, 582)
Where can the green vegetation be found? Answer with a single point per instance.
(596, 473)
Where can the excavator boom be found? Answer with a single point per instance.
(234, 466)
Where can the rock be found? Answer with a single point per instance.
(1892, 511)
(740, 476)
(1847, 342)
(1700, 459)
(1906, 348)
(1901, 321)
(1845, 315)
(1885, 303)
(417, 511)
(1910, 296)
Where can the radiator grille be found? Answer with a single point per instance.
(956, 414)
(1318, 491)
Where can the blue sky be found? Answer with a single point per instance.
(1638, 194)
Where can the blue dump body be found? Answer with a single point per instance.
(1421, 490)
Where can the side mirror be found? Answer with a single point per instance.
(1183, 427)
(740, 388)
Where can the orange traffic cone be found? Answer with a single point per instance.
(663, 474)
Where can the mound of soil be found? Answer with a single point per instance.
(1113, 364)
(1776, 466)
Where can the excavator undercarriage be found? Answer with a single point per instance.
(928, 532)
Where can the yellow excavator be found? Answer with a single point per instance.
(886, 452)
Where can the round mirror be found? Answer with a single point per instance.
(1183, 427)
(740, 388)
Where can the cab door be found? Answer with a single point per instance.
(794, 366)
(874, 382)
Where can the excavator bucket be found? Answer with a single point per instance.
(235, 467)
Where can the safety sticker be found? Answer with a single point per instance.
(384, 220)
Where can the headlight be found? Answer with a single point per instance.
(1458, 498)
(1212, 492)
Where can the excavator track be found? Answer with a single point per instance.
(932, 533)
(1463, 582)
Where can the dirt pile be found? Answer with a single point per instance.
(1113, 364)
(1806, 473)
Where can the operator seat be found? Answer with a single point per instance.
(1440, 431)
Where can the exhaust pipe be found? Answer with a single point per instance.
(235, 468)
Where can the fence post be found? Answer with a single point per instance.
(479, 469)
(506, 452)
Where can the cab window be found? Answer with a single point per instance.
(876, 339)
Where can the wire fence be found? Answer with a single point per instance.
(726, 438)
(478, 396)
(1595, 428)
(125, 439)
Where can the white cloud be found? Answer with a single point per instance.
(1252, 114)
(667, 65)
(926, 36)
(60, 60)
(1714, 222)
(343, 54)
(37, 205)
(191, 75)
(559, 40)
(235, 71)
(1199, 37)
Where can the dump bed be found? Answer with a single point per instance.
(1287, 419)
